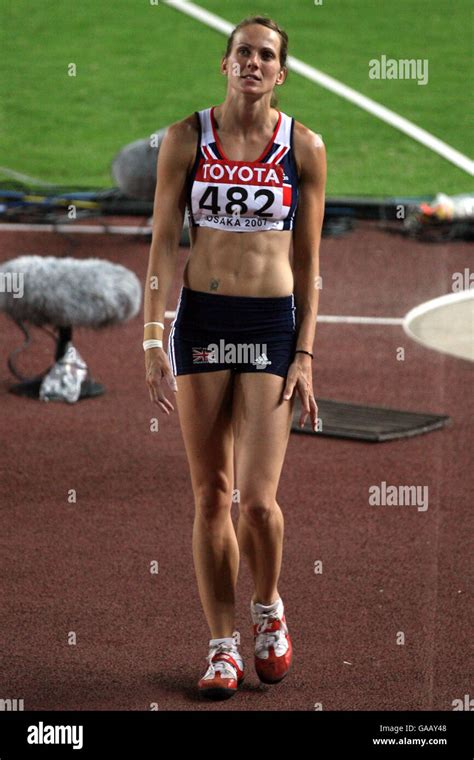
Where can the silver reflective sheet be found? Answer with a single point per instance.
(64, 380)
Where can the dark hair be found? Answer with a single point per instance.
(270, 24)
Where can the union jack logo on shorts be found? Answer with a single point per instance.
(200, 355)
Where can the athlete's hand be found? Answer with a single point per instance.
(300, 376)
(158, 372)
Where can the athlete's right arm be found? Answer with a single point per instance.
(174, 160)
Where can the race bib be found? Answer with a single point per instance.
(240, 195)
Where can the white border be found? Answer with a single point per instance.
(432, 305)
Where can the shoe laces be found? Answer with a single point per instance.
(224, 666)
(267, 638)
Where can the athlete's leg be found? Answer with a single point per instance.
(204, 402)
(262, 424)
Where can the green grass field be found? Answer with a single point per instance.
(142, 66)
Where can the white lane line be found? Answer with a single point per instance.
(367, 104)
(332, 319)
(90, 229)
(24, 177)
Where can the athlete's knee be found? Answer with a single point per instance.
(258, 511)
(213, 499)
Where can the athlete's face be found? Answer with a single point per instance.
(254, 62)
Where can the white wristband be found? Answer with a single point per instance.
(152, 344)
(154, 323)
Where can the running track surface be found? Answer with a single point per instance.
(142, 638)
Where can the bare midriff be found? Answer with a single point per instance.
(240, 263)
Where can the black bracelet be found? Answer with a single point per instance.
(302, 351)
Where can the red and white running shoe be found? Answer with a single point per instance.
(273, 647)
(224, 674)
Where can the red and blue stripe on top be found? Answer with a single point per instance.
(243, 196)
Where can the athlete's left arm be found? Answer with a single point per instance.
(311, 153)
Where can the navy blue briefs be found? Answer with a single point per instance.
(213, 332)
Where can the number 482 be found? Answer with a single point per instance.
(236, 200)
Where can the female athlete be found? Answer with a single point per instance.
(253, 182)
